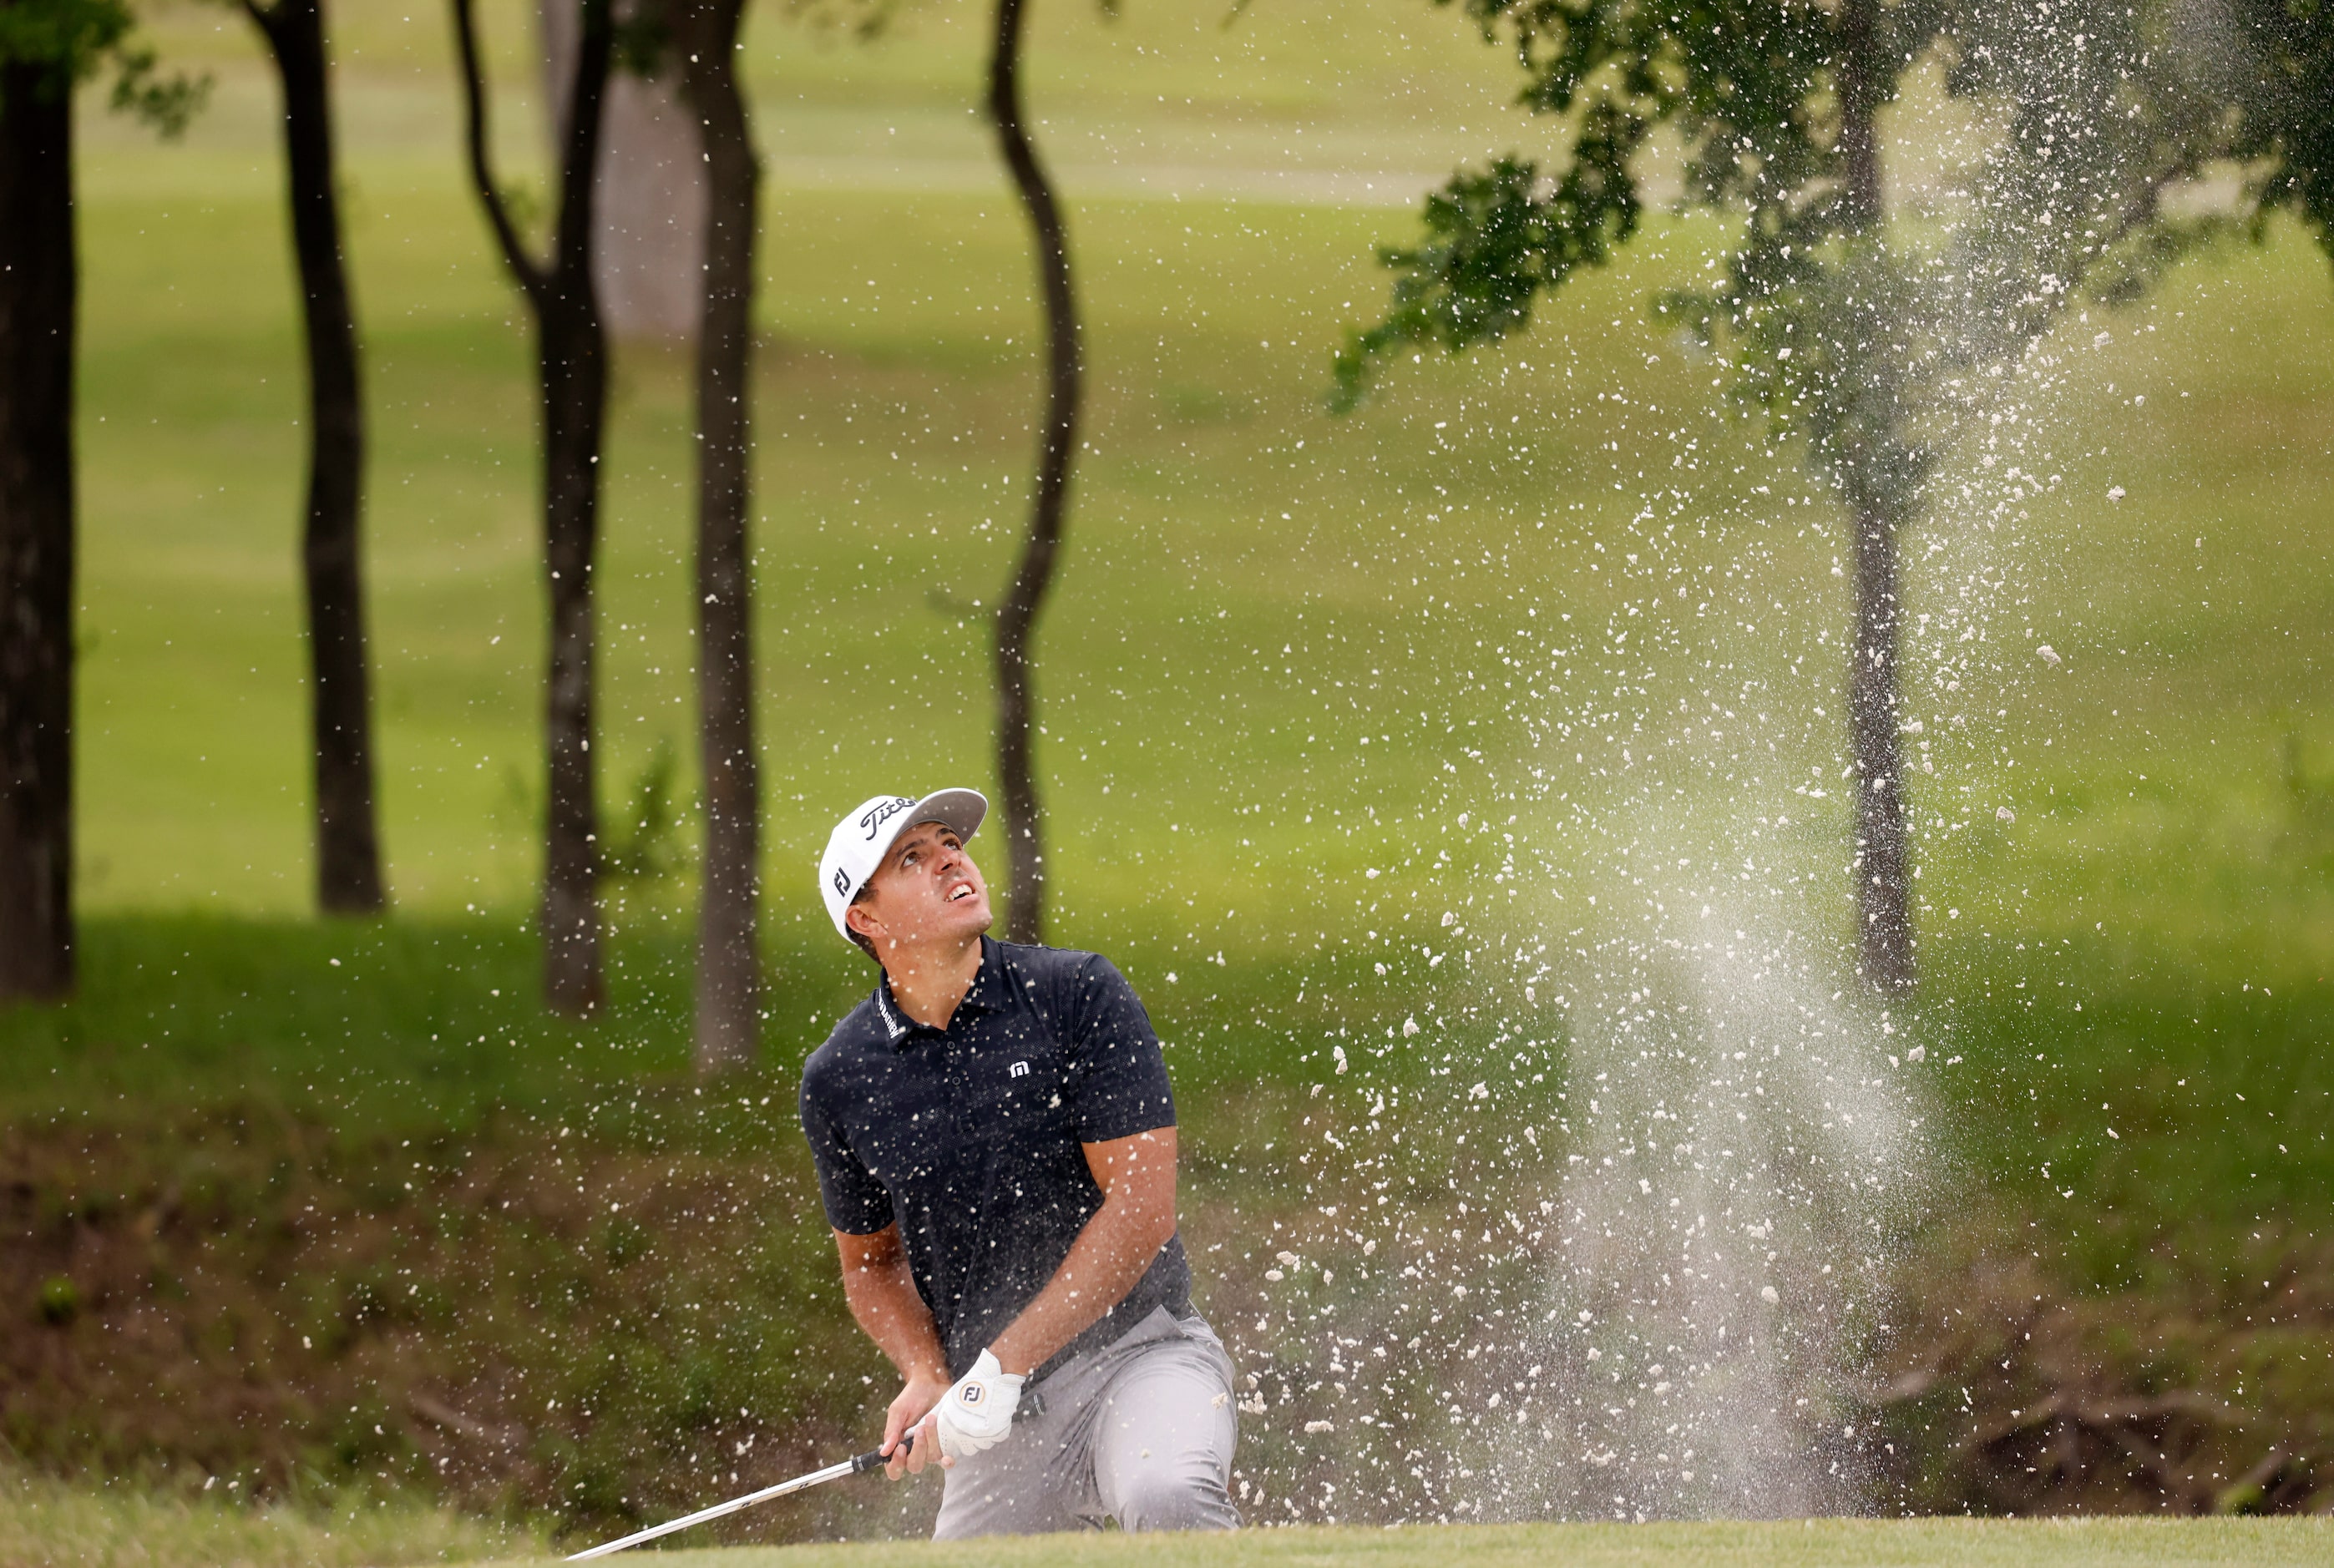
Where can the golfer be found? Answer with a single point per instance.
(996, 1149)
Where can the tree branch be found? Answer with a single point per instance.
(531, 277)
(1016, 614)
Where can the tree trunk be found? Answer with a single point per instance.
(728, 957)
(38, 305)
(348, 842)
(653, 181)
(571, 358)
(1877, 491)
(1017, 615)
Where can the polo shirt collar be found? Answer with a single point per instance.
(982, 996)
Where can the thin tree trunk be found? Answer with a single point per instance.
(348, 841)
(1017, 615)
(571, 361)
(39, 302)
(729, 957)
(1877, 493)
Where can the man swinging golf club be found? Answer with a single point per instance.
(996, 1147)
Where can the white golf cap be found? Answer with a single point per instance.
(862, 840)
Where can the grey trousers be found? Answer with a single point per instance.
(1140, 1431)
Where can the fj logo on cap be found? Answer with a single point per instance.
(842, 880)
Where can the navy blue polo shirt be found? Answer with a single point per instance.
(968, 1138)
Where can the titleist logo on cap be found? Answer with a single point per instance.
(884, 812)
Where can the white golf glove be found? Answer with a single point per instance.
(977, 1412)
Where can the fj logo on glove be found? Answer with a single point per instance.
(972, 1393)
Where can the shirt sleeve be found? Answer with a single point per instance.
(857, 1204)
(1118, 1082)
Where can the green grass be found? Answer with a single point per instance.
(1810, 1544)
(44, 1521)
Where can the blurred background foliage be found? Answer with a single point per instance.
(319, 1207)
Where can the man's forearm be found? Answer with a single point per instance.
(880, 1289)
(882, 1298)
(1107, 1261)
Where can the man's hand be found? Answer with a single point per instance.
(915, 1402)
(977, 1412)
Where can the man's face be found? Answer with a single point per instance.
(926, 891)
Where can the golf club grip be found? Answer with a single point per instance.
(1032, 1406)
(872, 1460)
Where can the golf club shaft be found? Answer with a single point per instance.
(871, 1460)
(1033, 1405)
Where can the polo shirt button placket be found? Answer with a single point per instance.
(955, 1074)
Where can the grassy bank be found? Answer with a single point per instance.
(267, 1229)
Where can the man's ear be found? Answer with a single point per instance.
(858, 918)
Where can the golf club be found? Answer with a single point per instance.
(859, 1465)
